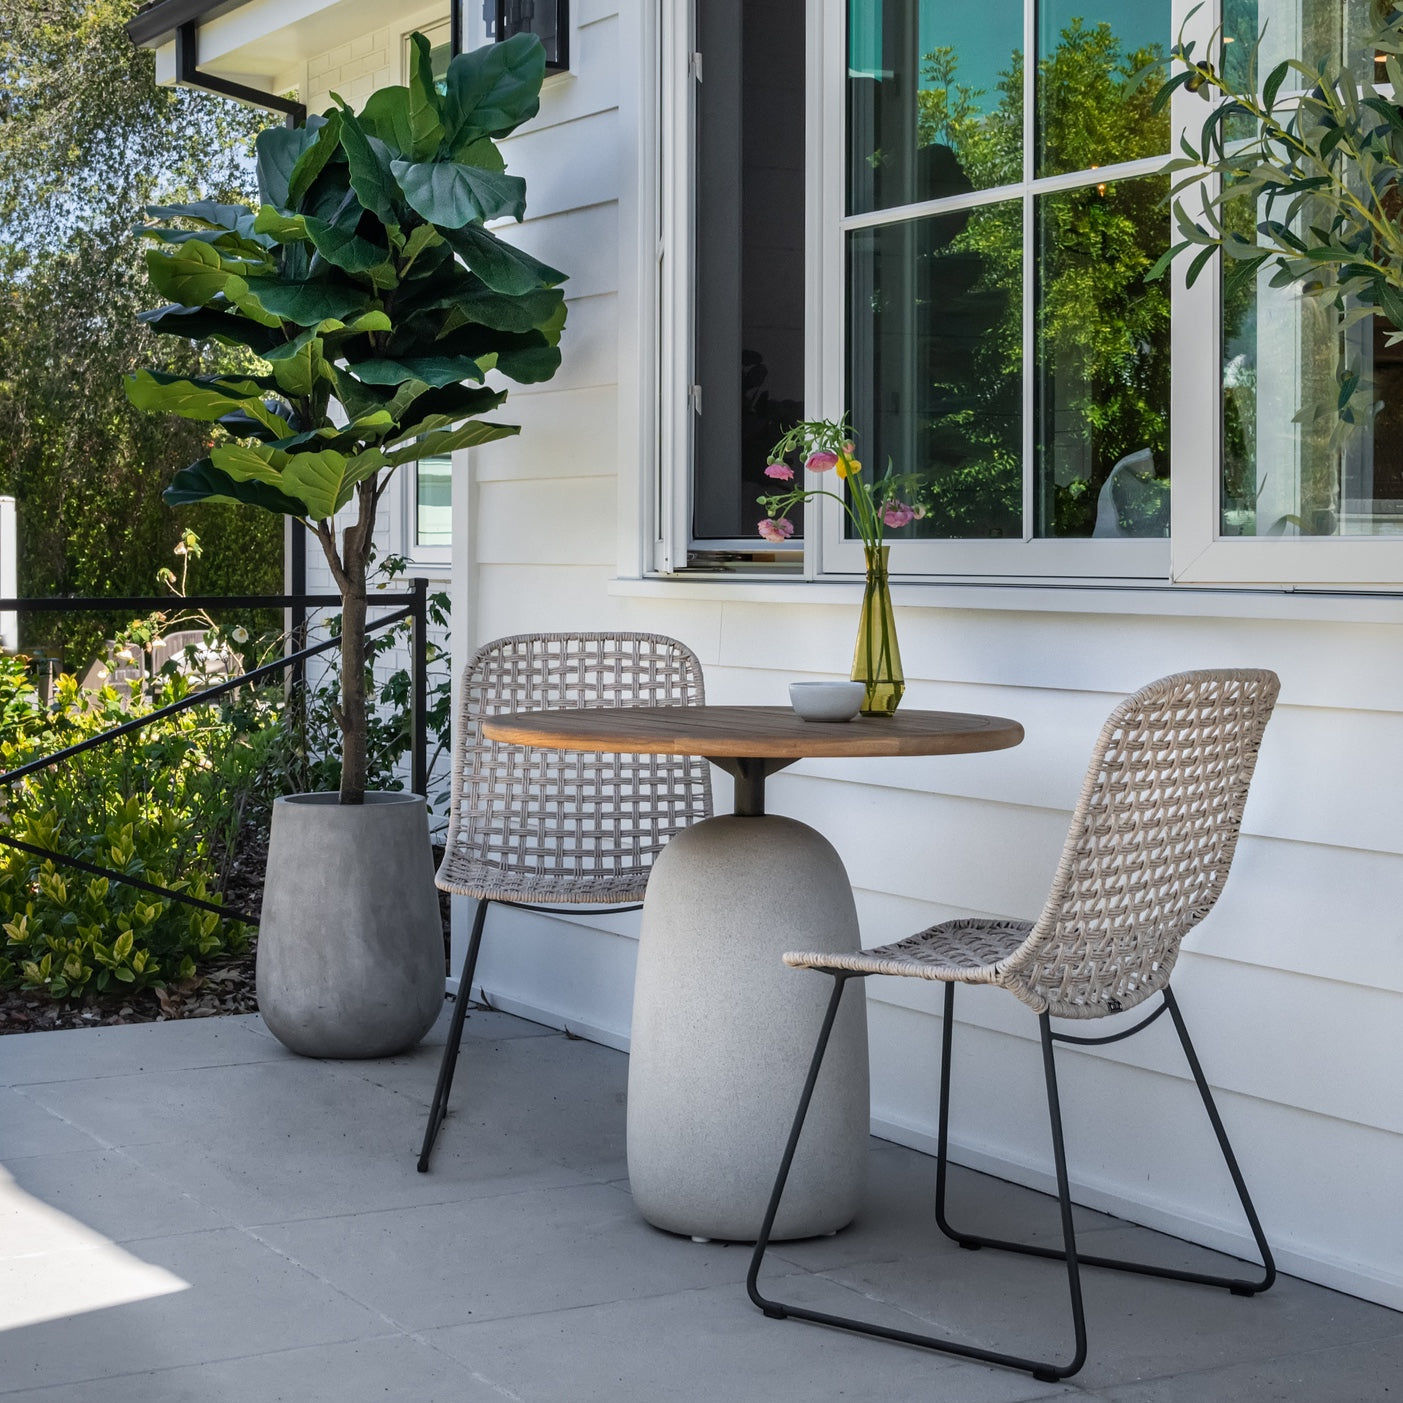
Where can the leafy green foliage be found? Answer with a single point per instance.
(160, 806)
(86, 138)
(1307, 160)
(365, 277)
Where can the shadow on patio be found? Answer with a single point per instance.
(234, 1222)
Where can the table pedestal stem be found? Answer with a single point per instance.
(723, 1032)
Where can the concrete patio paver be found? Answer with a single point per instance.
(305, 1259)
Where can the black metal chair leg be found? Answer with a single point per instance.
(446, 1067)
(779, 1310)
(1238, 1288)
(1045, 1372)
(1052, 1373)
(773, 1308)
(942, 1144)
(1236, 1284)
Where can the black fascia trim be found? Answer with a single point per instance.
(159, 21)
(187, 41)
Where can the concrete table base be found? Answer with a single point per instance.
(723, 1032)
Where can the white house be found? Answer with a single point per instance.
(874, 206)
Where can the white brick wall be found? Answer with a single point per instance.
(354, 70)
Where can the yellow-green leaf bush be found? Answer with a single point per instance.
(161, 805)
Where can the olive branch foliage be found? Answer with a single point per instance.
(1297, 172)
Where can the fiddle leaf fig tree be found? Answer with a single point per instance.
(372, 300)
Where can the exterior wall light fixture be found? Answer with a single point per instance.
(548, 20)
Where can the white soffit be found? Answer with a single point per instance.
(266, 44)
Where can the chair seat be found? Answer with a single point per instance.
(489, 883)
(967, 951)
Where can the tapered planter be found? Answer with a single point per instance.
(350, 944)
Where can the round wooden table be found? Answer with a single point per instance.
(722, 1029)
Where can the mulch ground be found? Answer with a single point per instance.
(224, 986)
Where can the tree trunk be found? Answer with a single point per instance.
(353, 717)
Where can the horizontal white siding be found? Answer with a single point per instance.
(1293, 986)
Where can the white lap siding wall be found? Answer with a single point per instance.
(1293, 986)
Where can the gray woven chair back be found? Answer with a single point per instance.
(553, 826)
(1150, 843)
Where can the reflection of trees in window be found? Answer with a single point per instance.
(1102, 335)
(1103, 352)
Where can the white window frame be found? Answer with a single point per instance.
(1031, 557)
(1195, 554)
(436, 557)
(1201, 553)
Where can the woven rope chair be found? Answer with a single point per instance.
(531, 826)
(1145, 859)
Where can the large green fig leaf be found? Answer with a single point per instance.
(446, 440)
(206, 324)
(492, 90)
(342, 246)
(529, 364)
(203, 482)
(524, 356)
(284, 228)
(371, 178)
(207, 399)
(326, 480)
(312, 161)
(451, 195)
(192, 274)
(502, 267)
(323, 479)
(278, 150)
(298, 364)
(529, 311)
(209, 213)
(307, 304)
(434, 371)
(385, 116)
(425, 105)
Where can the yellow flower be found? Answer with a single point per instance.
(848, 466)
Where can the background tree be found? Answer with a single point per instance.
(1102, 331)
(87, 138)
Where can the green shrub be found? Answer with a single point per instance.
(162, 805)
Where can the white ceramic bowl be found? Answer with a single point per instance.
(826, 701)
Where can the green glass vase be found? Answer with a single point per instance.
(876, 659)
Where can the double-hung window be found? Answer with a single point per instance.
(939, 218)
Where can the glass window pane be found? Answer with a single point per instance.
(1292, 464)
(1102, 375)
(935, 364)
(1100, 63)
(433, 502)
(1305, 29)
(935, 99)
(749, 354)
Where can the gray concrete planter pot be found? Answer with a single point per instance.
(350, 945)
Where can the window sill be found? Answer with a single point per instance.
(1077, 597)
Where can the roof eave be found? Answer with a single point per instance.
(157, 23)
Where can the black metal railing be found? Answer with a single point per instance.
(414, 608)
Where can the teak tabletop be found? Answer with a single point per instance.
(751, 732)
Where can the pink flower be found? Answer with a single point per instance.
(780, 470)
(776, 530)
(896, 513)
(820, 461)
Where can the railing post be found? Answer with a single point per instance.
(295, 619)
(419, 701)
